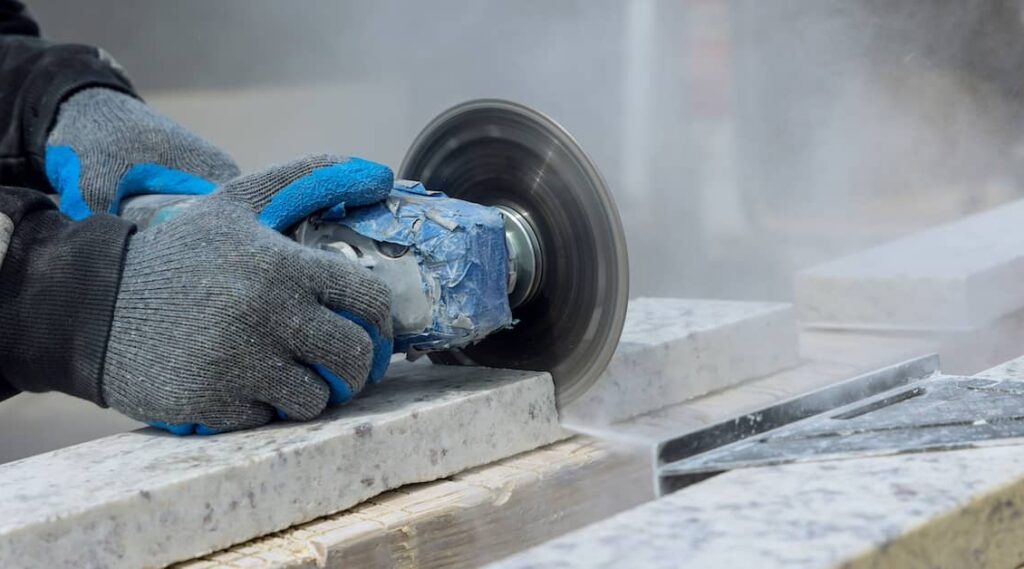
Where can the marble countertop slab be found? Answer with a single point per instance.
(961, 275)
(673, 350)
(145, 498)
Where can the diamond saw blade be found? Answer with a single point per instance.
(503, 154)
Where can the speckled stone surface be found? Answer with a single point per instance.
(955, 509)
(950, 509)
(960, 275)
(31, 423)
(677, 349)
(1013, 369)
(499, 509)
(146, 498)
(472, 518)
(826, 358)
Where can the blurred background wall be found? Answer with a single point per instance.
(742, 139)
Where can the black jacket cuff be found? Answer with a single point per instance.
(58, 287)
(60, 72)
(37, 77)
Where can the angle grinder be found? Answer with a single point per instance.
(500, 243)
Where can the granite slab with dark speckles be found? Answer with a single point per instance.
(146, 498)
(675, 349)
(952, 509)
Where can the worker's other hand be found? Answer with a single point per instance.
(221, 322)
(106, 145)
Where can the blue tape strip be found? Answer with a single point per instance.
(460, 247)
(352, 183)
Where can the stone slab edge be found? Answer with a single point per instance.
(145, 499)
(673, 350)
(473, 518)
(962, 508)
(953, 509)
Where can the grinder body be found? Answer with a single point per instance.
(447, 262)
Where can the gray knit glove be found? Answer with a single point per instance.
(106, 145)
(221, 321)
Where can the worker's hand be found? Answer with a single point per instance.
(221, 322)
(106, 145)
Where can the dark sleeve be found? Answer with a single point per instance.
(15, 19)
(36, 77)
(58, 278)
(58, 283)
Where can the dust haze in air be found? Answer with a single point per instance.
(742, 140)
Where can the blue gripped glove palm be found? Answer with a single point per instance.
(106, 145)
(221, 321)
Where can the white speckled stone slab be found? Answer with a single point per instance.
(960, 275)
(954, 509)
(31, 423)
(673, 350)
(1013, 369)
(467, 520)
(827, 358)
(147, 499)
(950, 509)
(495, 510)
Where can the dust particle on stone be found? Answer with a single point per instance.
(364, 430)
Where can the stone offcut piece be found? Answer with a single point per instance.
(961, 275)
(673, 350)
(147, 498)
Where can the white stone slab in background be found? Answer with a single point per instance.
(677, 349)
(960, 275)
(146, 498)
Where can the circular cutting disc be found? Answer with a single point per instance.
(499, 153)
